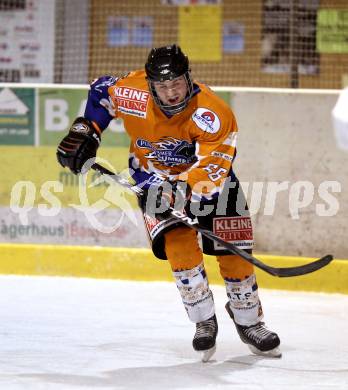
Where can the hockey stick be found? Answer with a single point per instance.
(275, 271)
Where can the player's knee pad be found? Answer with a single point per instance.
(244, 300)
(195, 293)
(234, 267)
(182, 249)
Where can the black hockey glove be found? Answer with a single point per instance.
(79, 145)
(159, 198)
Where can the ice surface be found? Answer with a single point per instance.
(69, 333)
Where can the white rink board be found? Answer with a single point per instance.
(66, 333)
(287, 136)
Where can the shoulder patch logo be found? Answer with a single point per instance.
(206, 120)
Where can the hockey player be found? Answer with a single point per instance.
(181, 134)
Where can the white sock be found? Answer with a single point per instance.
(244, 301)
(195, 293)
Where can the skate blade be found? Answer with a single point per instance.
(207, 354)
(275, 352)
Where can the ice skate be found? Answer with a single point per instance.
(259, 339)
(205, 337)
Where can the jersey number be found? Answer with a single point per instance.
(214, 172)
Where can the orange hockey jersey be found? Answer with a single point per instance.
(196, 145)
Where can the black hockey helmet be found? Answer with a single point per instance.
(168, 63)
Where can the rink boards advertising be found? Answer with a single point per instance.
(32, 121)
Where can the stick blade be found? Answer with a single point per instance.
(304, 269)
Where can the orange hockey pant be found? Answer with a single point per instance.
(183, 252)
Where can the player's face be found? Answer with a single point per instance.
(171, 92)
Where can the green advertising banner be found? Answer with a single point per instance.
(59, 107)
(17, 113)
(22, 123)
(39, 165)
(332, 31)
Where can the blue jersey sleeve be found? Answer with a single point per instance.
(99, 107)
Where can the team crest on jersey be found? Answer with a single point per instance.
(132, 101)
(169, 151)
(206, 120)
